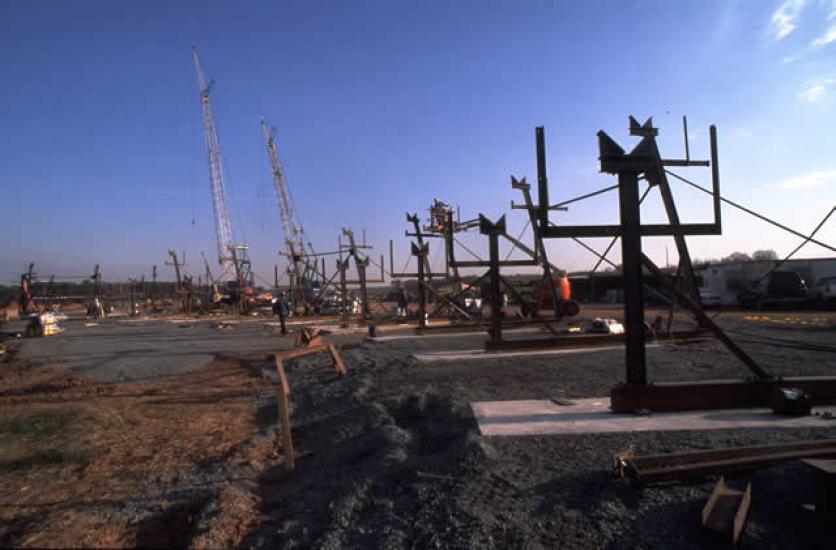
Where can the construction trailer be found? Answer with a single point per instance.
(723, 283)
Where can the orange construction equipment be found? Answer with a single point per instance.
(544, 295)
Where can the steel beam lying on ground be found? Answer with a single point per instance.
(509, 323)
(584, 340)
(716, 394)
(666, 467)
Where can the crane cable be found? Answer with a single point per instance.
(519, 237)
(752, 212)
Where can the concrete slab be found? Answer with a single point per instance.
(396, 337)
(476, 354)
(428, 335)
(120, 352)
(584, 416)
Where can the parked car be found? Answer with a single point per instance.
(605, 326)
(778, 287)
(710, 299)
(823, 289)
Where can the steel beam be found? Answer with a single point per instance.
(631, 250)
(716, 394)
(647, 230)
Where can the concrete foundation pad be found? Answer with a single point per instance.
(584, 416)
(395, 337)
(428, 335)
(474, 354)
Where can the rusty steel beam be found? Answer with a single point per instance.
(670, 466)
(647, 230)
(503, 263)
(716, 394)
(507, 324)
(569, 341)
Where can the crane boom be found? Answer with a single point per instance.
(293, 233)
(216, 174)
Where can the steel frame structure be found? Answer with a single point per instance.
(645, 162)
(346, 252)
(444, 226)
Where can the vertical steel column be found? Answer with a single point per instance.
(539, 245)
(496, 294)
(715, 176)
(542, 180)
(449, 246)
(631, 251)
(420, 252)
(493, 231)
(361, 276)
(341, 265)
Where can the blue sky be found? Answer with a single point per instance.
(382, 106)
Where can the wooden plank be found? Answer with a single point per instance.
(725, 512)
(284, 417)
(299, 352)
(719, 488)
(742, 513)
(338, 360)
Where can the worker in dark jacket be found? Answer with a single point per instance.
(281, 308)
(403, 302)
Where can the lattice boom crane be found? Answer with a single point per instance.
(216, 175)
(293, 233)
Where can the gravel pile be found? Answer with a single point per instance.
(390, 456)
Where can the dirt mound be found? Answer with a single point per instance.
(380, 462)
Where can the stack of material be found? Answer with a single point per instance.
(49, 324)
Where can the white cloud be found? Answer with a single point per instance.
(825, 39)
(819, 92)
(785, 18)
(815, 94)
(809, 180)
(742, 132)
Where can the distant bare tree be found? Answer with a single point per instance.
(737, 257)
(763, 255)
(700, 263)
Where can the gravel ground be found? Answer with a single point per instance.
(390, 455)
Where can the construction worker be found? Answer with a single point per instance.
(403, 301)
(281, 308)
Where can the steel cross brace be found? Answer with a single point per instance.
(645, 160)
(422, 252)
(494, 230)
